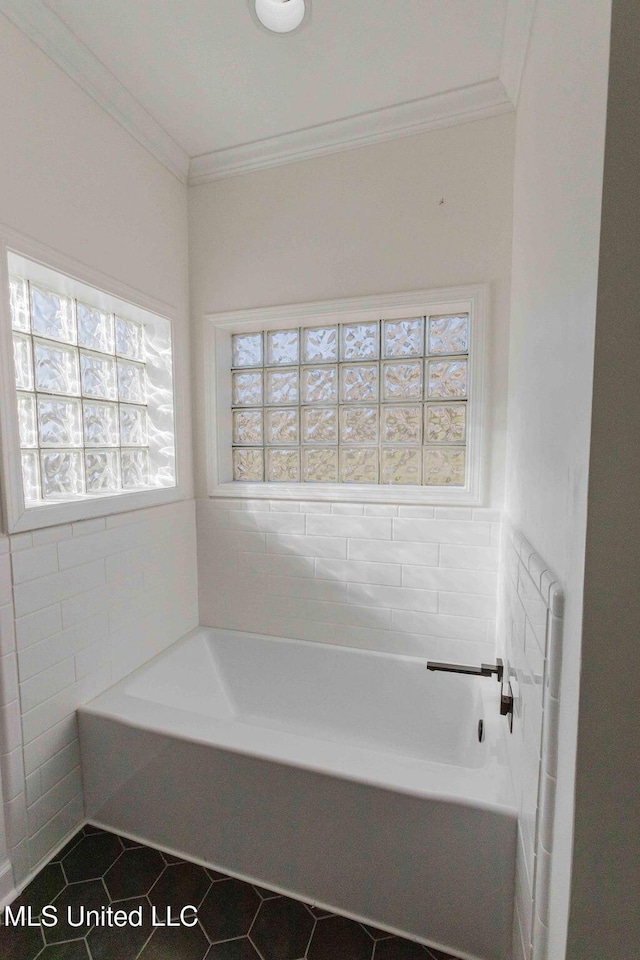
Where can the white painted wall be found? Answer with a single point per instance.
(362, 222)
(71, 177)
(557, 201)
(91, 601)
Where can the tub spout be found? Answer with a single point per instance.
(484, 670)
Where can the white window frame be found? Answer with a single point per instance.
(16, 517)
(219, 328)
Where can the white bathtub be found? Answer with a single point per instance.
(351, 779)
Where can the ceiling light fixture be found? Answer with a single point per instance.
(281, 16)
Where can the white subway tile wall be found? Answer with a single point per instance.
(529, 634)
(11, 754)
(412, 580)
(81, 605)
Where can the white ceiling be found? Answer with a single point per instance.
(192, 78)
(213, 78)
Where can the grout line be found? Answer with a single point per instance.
(313, 930)
(162, 872)
(64, 872)
(144, 945)
(205, 935)
(259, 952)
(58, 943)
(203, 898)
(42, 949)
(255, 916)
(104, 884)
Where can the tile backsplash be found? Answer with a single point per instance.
(81, 605)
(412, 580)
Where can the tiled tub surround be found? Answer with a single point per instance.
(351, 778)
(81, 605)
(530, 633)
(414, 580)
(236, 920)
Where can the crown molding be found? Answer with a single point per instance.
(515, 44)
(61, 45)
(474, 102)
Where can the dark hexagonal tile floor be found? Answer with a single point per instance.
(105, 943)
(282, 929)
(43, 889)
(228, 909)
(339, 937)
(179, 885)
(396, 949)
(72, 904)
(176, 943)
(97, 870)
(241, 949)
(134, 873)
(20, 943)
(92, 857)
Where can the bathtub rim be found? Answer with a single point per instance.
(448, 783)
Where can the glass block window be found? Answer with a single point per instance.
(93, 390)
(381, 402)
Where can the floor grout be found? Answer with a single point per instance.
(313, 930)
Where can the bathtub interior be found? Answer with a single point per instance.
(377, 701)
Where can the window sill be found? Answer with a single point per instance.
(341, 492)
(87, 508)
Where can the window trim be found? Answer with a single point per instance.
(16, 518)
(218, 329)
